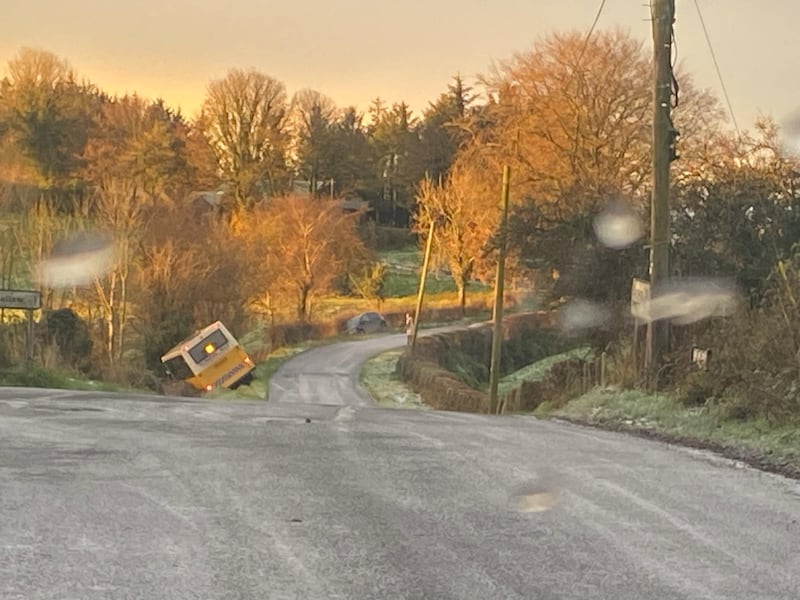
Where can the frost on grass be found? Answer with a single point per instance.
(378, 377)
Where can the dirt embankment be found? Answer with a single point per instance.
(449, 369)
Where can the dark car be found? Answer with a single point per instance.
(368, 322)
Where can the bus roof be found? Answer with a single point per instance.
(177, 349)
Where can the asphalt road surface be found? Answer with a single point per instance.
(107, 496)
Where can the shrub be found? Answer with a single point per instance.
(31, 377)
(71, 335)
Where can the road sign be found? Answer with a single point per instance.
(22, 299)
(640, 299)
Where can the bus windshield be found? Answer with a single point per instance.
(207, 346)
(178, 368)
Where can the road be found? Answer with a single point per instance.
(316, 494)
(329, 374)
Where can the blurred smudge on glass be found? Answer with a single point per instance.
(78, 260)
(686, 301)
(618, 226)
(578, 315)
(538, 496)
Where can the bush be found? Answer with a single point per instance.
(71, 335)
(696, 389)
(31, 377)
(755, 361)
(563, 382)
(769, 397)
(132, 377)
(163, 328)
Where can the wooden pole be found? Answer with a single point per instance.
(422, 277)
(29, 339)
(663, 137)
(497, 333)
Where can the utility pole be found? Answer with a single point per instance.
(497, 333)
(422, 277)
(664, 135)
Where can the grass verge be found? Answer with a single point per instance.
(39, 377)
(537, 371)
(259, 388)
(379, 379)
(754, 442)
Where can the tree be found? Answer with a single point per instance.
(440, 132)
(45, 115)
(173, 272)
(465, 219)
(394, 144)
(313, 116)
(305, 246)
(739, 215)
(572, 117)
(350, 145)
(136, 162)
(143, 142)
(119, 210)
(243, 120)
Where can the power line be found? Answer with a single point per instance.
(716, 66)
(591, 29)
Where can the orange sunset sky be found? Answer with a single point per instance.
(355, 50)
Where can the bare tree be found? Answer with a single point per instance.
(464, 223)
(299, 247)
(119, 209)
(244, 121)
(573, 118)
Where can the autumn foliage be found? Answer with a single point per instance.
(259, 207)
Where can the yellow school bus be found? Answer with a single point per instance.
(211, 358)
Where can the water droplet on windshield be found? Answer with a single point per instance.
(582, 314)
(77, 260)
(618, 226)
(538, 496)
(685, 301)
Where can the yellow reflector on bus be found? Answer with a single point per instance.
(209, 348)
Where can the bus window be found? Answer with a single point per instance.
(207, 346)
(178, 368)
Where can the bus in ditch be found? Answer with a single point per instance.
(211, 358)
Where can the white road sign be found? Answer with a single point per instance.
(23, 299)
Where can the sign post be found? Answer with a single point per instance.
(640, 309)
(29, 301)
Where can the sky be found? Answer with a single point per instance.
(356, 50)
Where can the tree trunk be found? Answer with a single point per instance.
(302, 304)
(462, 297)
(111, 316)
(123, 314)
